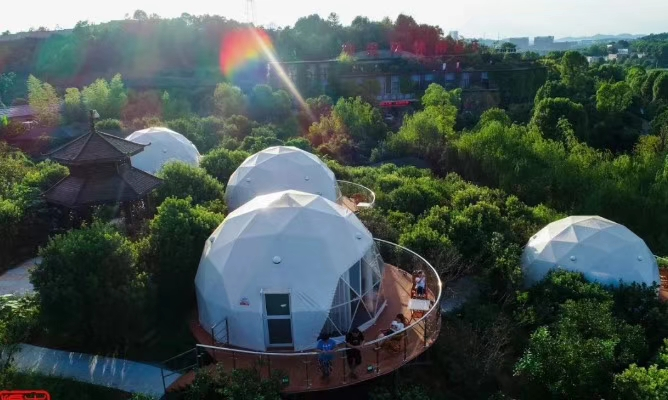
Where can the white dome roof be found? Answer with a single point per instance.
(605, 251)
(285, 242)
(165, 145)
(280, 168)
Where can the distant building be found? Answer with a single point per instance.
(17, 113)
(543, 42)
(454, 35)
(522, 43)
(595, 59)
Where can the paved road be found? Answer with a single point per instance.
(17, 280)
(120, 374)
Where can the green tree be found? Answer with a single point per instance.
(266, 105)
(238, 384)
(89, 287)
(96, 97)
(613, 98)
(639, 383)
(635, 77)
(74, 108)
(647, 88)
(494, 114)
(660, 87)
(44, 101)
(221, 163)
(177, 236)
(552, 89)
(229, 100)
(7, 87)
(576, 358)
(573, 69)
(118, 97)
(548, 112)
(181, 180)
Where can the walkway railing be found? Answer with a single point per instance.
(361, 195)
(298, 370)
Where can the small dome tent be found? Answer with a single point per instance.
(280, 168)
(606, 252)
(165, 146)
(286, 267)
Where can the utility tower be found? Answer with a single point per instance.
(250, 11)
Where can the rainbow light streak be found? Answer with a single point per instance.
(244, 46)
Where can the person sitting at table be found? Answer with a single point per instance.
(397, 325)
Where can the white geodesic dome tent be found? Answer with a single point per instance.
(286, 267)
(280, 168)
(165, 146)
(605, 251)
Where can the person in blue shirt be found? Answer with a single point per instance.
(325, 347)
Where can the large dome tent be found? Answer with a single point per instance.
(280, 168)
(286, 267)
(165, 146)
(604, 251)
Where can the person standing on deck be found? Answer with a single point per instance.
(354, 340)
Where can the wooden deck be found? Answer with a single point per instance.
(300, 373)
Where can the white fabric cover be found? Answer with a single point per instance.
(605, 251)
(314, 241)
(279, 168)
(165, 145)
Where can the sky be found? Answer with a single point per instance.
(472, 18)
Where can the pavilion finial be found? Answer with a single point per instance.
(93, 115)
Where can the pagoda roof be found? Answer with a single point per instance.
(127, 184)
(95, 147)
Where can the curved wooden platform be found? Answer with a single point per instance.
(301, 374)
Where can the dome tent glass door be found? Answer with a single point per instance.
(278, 320)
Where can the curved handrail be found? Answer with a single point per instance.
(436, 305)
(364, 188)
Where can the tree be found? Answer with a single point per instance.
(576, 358)
(108, 98)
(494, 114)
(573, 69)
(613, 98)
(647, 88)
(181, 180)
(174, 107)
(548, 112)
(660, 87)
(44, 101)
(74, 108)
(221, 163)
(140, 15)
(507, 47)
(118, 98)
(89, 286)
(238, 384)
(177, 236)
(267, 105)
(229, 100)
(7, 85)
(639, 383)
(552, 89)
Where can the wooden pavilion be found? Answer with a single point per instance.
(100, 172)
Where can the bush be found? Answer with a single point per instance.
(182, 180)
(109, 125)
(177, 236)
(90, 289)
(221, 163)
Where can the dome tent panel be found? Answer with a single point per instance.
(604, 251)
(164, 145)
(280, 168)
(288, 242)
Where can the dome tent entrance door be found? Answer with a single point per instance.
(278, 320)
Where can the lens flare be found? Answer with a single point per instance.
(244, 47)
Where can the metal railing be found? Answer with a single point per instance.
(298, 370)
(180, 365)
(361, 195)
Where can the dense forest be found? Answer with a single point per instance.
(595, 142)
